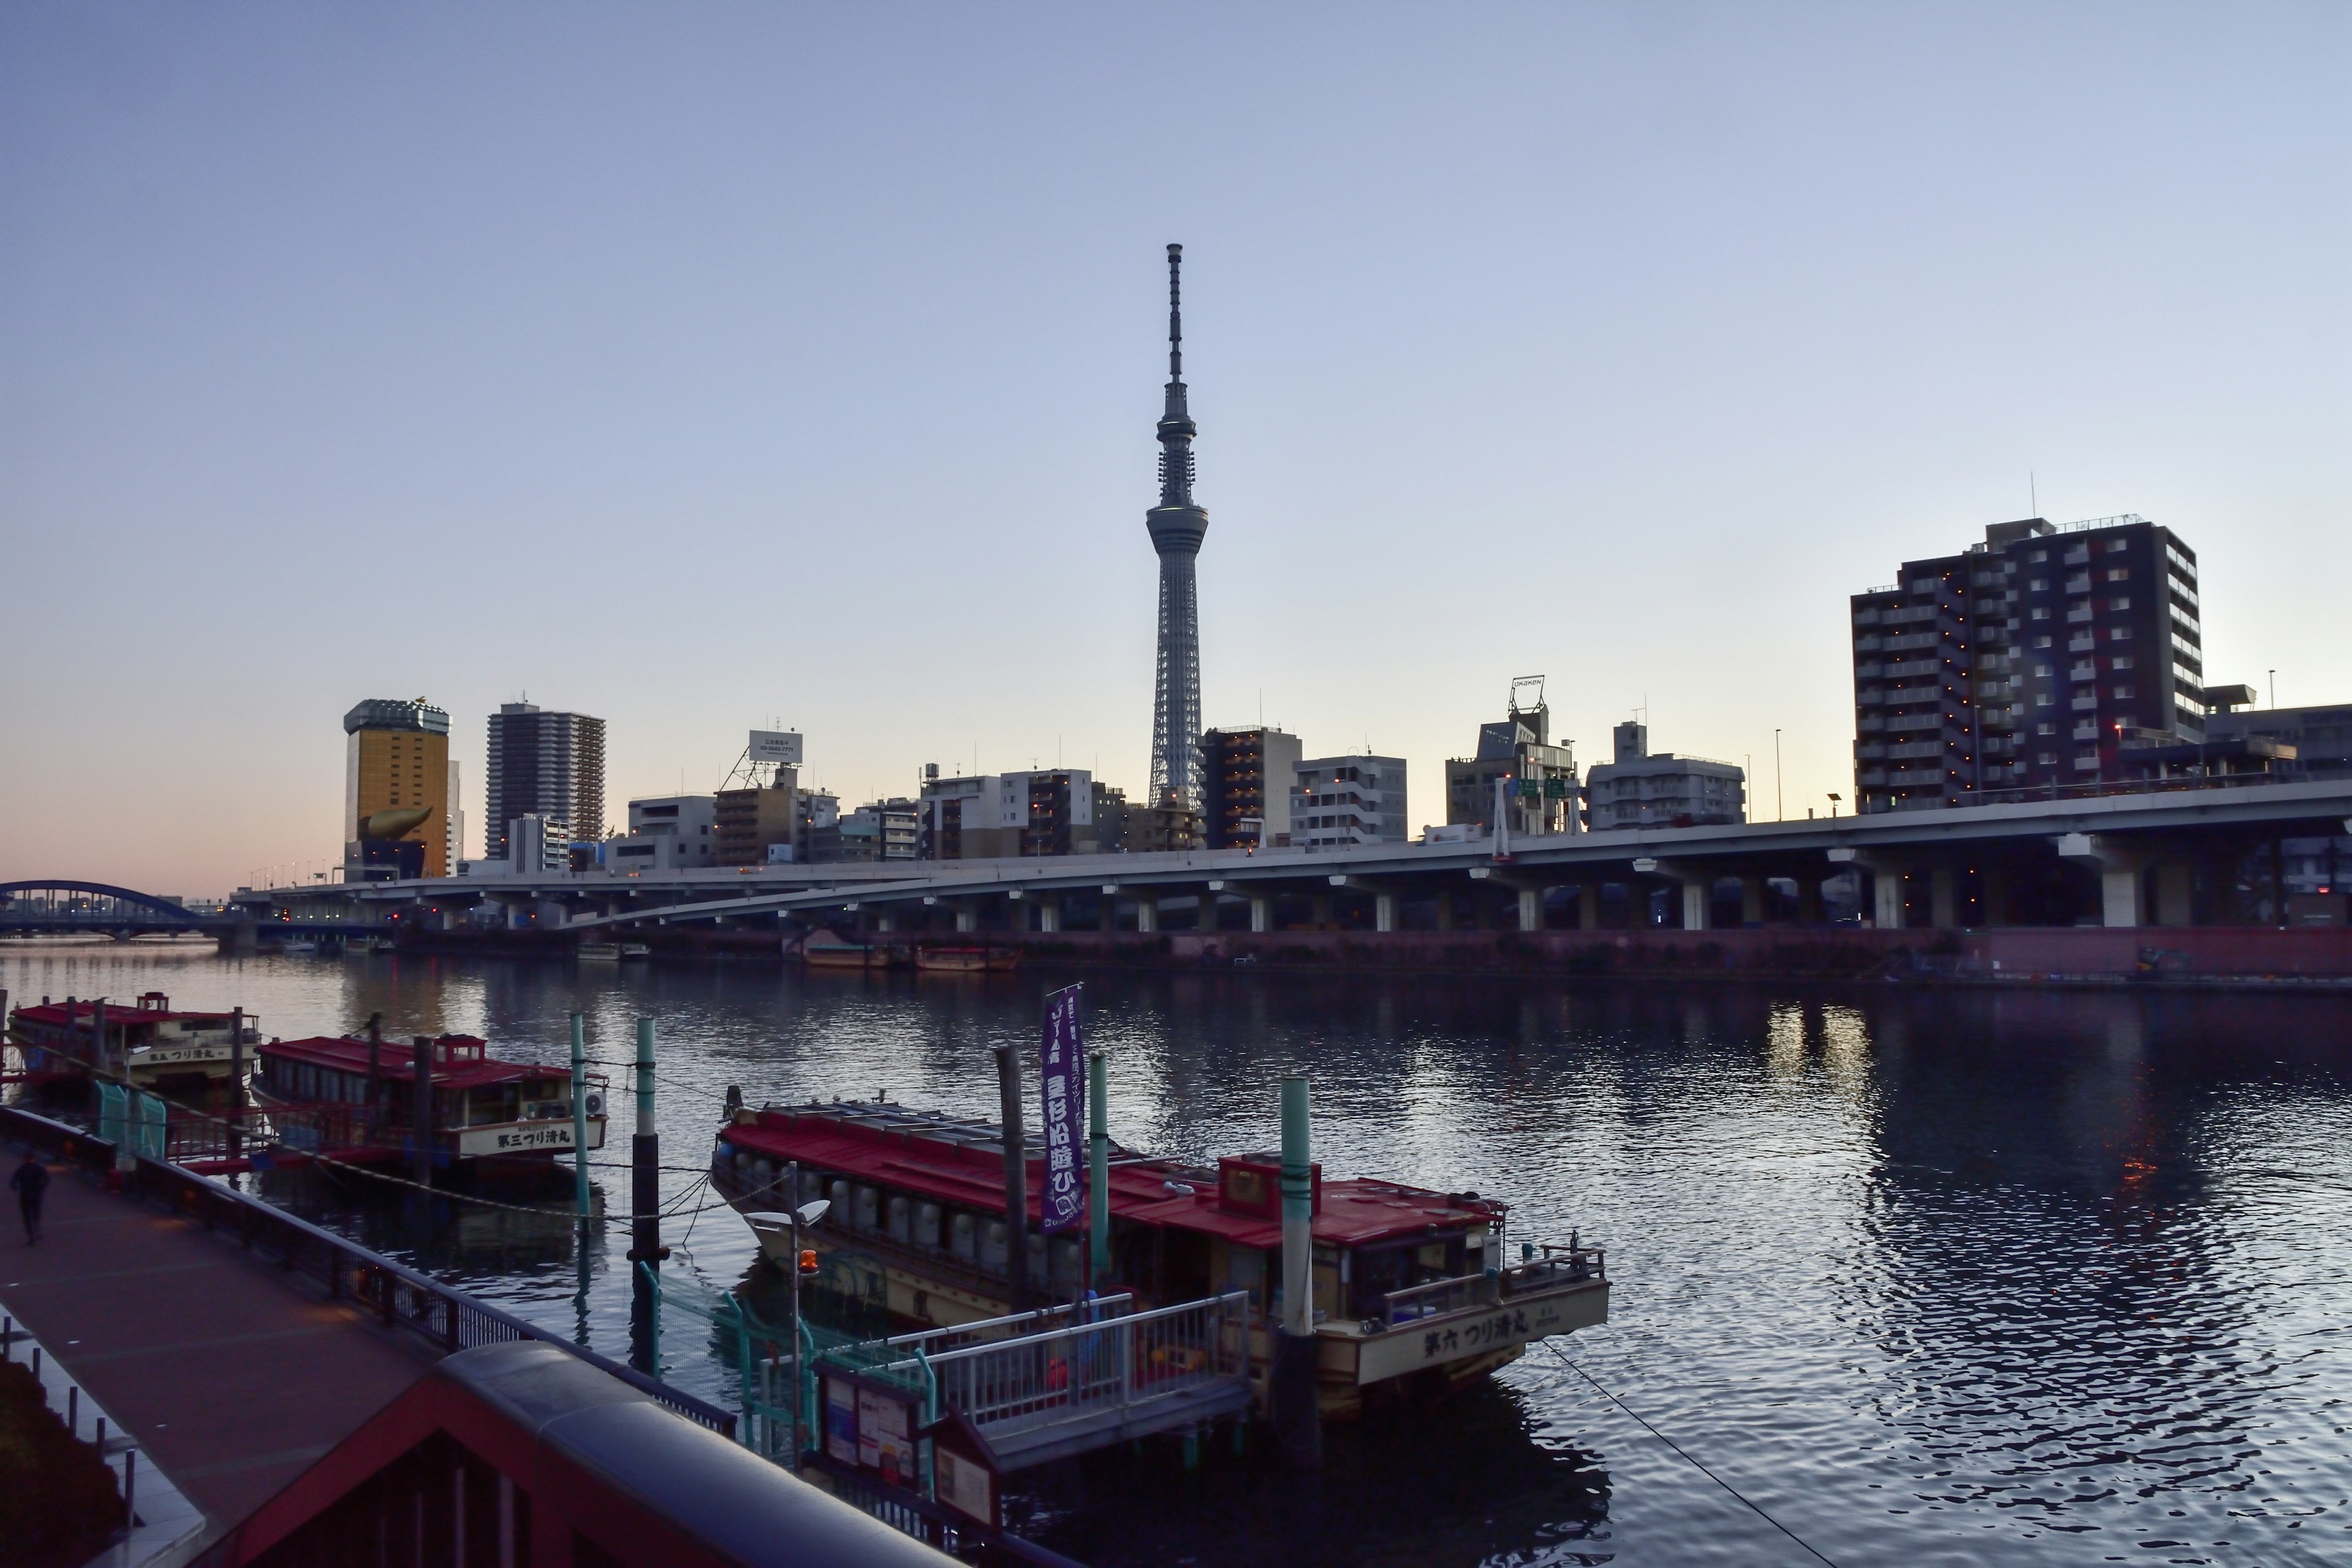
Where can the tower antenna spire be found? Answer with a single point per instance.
(1177, 526)
(1175, 312)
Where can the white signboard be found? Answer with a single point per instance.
(776, 746)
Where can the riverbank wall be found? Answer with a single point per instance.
(2177, 955)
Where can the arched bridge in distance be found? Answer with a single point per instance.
(61, 905)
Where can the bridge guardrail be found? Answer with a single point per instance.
(448, 1319)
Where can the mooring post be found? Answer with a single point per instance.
(644, 1211)
(420, 1114)
(374, 1106)
(97, 1036)
(236, 1141)
(1098, 1168)
(1016, 1178)
(579, 1116)
(1297, 1423)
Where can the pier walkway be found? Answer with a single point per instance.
(230, 1382)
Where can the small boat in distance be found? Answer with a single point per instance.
(600, 952)
(356, 1100)
(635, 950)
(966, 959)
(145, 1043)
(823, 950)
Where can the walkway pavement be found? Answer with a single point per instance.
(231, 1375)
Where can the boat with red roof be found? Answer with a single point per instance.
(356, 1099)
(1413, 1292)
(147, 1044)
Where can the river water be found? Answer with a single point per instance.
(1928, 1276)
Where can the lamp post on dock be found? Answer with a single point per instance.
(1297, 1423)
(1097, 1171)
(1016, 1178)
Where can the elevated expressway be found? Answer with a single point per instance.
(2130, 858)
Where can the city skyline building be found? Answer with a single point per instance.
(1245, 778)
(1539, 778)
(1177, 526)
(544, 764)
(1338, 803)
(396, 776)
(2031, 661)
(1638, 787)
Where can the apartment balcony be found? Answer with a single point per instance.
(1871, 723)
(2081, 585)
(2087, 703)
(1865, 643)
(1902, 723)
(2078, 555)
(2078, 615)
(1915, 666)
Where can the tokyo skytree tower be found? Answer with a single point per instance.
(1177, 527)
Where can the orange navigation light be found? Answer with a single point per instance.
(808, 1260)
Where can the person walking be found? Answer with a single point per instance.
(31, 1183)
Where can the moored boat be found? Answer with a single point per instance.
(823, 950)
(1411, 1290)
(146, 1044)
(356, 1098)
(600, 952)
(967, 960)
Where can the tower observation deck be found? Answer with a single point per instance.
(1177, 527)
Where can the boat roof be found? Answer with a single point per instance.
(467, 1066)
(64, 1014)
(963, 1162)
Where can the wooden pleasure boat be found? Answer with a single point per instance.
(356, 1098)
(146, 1045)
(1413, 1292)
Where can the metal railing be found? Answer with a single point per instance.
(1437, 1298)
(447, 1318)
(1080, 1369)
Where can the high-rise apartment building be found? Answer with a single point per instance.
(2025, 662)
(396, 774)
(1245, 778)
(544, 765)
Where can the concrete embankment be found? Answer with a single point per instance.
(2190, 955)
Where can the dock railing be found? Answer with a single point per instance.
(1081, 1370)
(447, 1318)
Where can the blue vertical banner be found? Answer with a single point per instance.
(1063, 1200)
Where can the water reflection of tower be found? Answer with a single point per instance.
(1177, 527)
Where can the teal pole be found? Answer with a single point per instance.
(1099, 1166)
(580, 1116)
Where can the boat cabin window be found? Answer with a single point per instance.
(493, 1102)
(1374, 1271)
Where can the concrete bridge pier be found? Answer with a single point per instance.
(1751, 900)
(1049, 914)
(1697, 885)
(1588, 906)
(1445, 911)
(1384, 900)
(1110, 919)
(1261, 913)
(2176, 893)
(2122, 889)
(1809, 899)
(1146, 914)
(1944, 898)
(1885, 885)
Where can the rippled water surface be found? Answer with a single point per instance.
(1929, 1277)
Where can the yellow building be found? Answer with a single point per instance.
(395, 791)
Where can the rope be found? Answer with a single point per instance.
(328, 1159)
(1686, 1454)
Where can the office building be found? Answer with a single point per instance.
(1172, 825)
(750, 822)
(1177, 528)
(1641, 788)
(1337, 802)
(668, 833)
(1537, 779)
(1003, 816)
(544, 765)
(397, 774)
(2024, 662)
(1245, 776)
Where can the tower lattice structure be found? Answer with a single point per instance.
(1177, 527)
